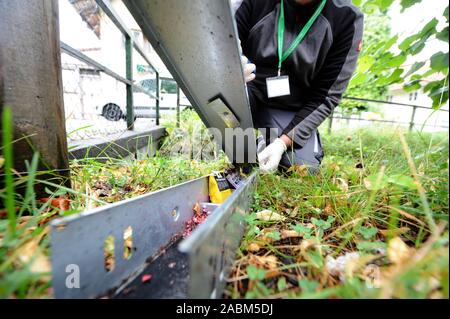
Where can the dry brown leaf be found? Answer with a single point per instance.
(31, 252)
(307, 244)
(4, 213)
(398, 251)
(197, 209)
(367, 184)
(302, 170)
(262, 238)
(141, 190)
(253, 247)
(342, 184)
(287, 233)
(294, 212)
(269, 262)
(269, 216)
(334, 167)
(62, 203)
(23, 221)
(329, 209)
(342, 266)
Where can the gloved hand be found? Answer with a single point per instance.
(270, 157)
(248, 68)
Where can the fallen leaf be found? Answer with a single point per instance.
(398, 251)
(367, 184)
(197, 209)
(342, 184)
(334, 167)
(329, 209)
(62, 203)
(253, 247)
(269, 262)
(23, 221)
(269, 216)
(102, 188)
(294, 212)
(307, 244)
(339, 267)
(264, 237)
(301, 170)
(287, 233)
(30, 252)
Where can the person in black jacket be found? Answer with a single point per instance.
(295, 89)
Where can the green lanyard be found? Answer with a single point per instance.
(281, 26)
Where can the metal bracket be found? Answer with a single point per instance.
(77, 242)
(197, 40)
(219, 107)
(201, 264)
(212, 247)
(156, 220)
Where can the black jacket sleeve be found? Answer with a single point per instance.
(244, 19)
(332, 81)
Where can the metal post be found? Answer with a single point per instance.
(178, 107)
(411, 124)
(158, 96)
(330, 123)
(1, 82)
(32, 79)
(129, 67)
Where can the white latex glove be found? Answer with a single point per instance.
(248, 68)
(270, 157)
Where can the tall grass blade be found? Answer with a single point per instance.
(8, 157)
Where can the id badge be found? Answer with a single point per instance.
(278, 86)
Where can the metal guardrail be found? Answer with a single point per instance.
(130, 44)
(154, 223)
(218, 94)
(155, 220)
(411, 123)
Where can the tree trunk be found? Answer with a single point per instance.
(30, 72)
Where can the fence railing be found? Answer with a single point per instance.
(412, 119)
(130, 44)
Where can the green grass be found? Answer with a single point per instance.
(349, 207)
(367, 199)
(24, 240)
